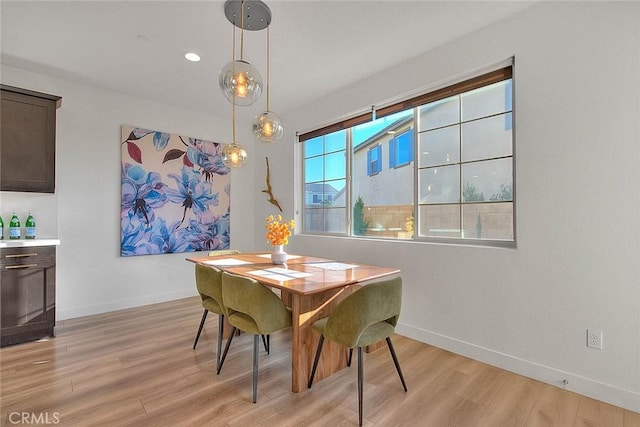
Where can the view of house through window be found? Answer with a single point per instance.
(387, 195)
(440, 169)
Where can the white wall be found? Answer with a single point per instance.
(577, 80)
(85, 210)
(577, 77)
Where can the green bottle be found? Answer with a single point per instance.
(14, 227)
(1, 229)
(30, 227)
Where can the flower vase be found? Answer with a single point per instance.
(278, 256)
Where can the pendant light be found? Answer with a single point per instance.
(233, 155)
(239, 81)
(267, 126)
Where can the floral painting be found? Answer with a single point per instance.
(175, 194)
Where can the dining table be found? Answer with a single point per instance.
(310, 286)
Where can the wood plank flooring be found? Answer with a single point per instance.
(136, 367)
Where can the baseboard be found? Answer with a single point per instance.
(122, 304)
(626, 399)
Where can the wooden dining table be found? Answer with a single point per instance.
(311, 287)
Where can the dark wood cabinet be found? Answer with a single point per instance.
(27, 140)
(27, 300)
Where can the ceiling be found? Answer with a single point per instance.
(138, 47)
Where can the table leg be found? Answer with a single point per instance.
(306, 309)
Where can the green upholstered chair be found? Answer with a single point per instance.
(254, 309)
(209, 286)
(363, 318)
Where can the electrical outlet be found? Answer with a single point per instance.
(594, 339)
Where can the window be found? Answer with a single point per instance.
(322, 198)
(325, 175)
(401, 150)
(374, 160)
(437, 167)
(465, 176)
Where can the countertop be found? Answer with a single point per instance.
(6, 243)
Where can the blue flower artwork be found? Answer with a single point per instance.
(175, 194)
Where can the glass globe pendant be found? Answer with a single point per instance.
(241, 81)
(267, 127)
(234, 156)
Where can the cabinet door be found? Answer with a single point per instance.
(25, 312)
(27, 296)
(28, 143)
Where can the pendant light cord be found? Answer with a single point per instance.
(241, 31)
(268, 63)
(233, 73)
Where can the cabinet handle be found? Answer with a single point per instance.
(20, 255)
(13, 267)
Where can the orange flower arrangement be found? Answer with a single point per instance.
(278, 231)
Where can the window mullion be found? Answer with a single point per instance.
(416, 172)
(460, 189)
(348, 196)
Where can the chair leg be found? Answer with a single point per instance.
(226, 349)
(395, 362)
(350, 356)
(315, 361)
(204, 317)
(265, 342)
(360, 385)
(220, 333)
(256, 354)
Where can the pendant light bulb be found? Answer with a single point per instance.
(240, 80)
(234, 156)
(267, 127)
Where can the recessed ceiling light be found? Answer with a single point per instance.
(142, 38)
(193, 57)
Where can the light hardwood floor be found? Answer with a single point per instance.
(136, 367)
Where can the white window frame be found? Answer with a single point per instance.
(445, 240)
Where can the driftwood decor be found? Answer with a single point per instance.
(269, 189)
